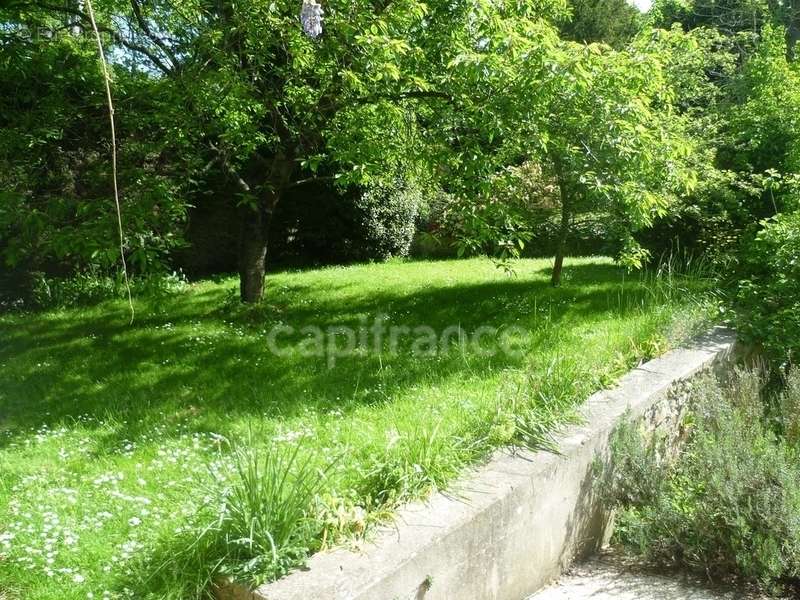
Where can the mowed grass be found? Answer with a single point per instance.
(124, 449)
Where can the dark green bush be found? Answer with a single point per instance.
(56, 200)
(768, 298)
(387, 216)
(729, 504)
(320, 224)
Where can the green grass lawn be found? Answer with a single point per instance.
(119, 444)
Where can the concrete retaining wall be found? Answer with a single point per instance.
(513, 524)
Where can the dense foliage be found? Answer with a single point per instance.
(55, 168)
(680, 137)
(621, 175)
(768, 296)
(730, 17)
(614, 22)
(729, 505)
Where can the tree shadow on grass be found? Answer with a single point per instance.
(188, 358)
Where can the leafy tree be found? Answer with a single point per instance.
(763, 123)
(700, 66)
(610, 143)
(606, 136)
(730, 17)
(54, 159)
(614, 22)
(625, 170)
(388, 88)
(741, 111)
(727, 16)
(758, 143)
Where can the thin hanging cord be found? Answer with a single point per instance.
(107, 80)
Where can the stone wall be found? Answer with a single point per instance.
(515, 523)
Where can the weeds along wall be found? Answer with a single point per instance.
(505, 533)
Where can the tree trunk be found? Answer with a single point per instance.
(253, 253)
(563, 232)
(255, 228)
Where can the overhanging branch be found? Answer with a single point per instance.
(115, 35)
(412, 94)
(145, 27)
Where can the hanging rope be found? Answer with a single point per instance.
(107, 80)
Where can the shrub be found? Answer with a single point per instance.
(322, 224)
(768, 299)
(729, 504)
(435, 227)
(387, 219)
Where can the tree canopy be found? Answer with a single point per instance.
(614, 22)
(686, 116)
(387, 88)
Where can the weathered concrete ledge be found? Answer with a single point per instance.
(513, 524)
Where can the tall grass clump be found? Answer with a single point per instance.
(258, 521)
(266, 521)
(729, 503)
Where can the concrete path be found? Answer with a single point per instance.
(610, 578)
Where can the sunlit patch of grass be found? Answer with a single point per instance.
(120, 446)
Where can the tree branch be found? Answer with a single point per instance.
(300, 182)
(145, 27)
(160, 64)
(419, 94)
(223, 159)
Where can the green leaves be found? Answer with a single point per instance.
(764, 126)
(57, 210)
(768, 297)
(613, 143)
(601, 124)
